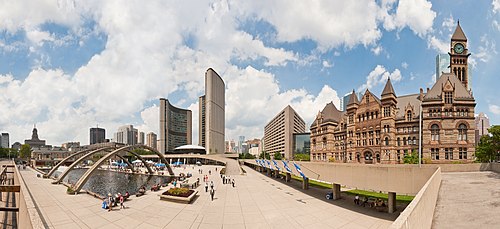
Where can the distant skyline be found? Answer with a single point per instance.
(70, 65)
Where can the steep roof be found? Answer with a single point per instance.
(331, 113)
(459, 34)
(404, 101)
(388, 89)
(460, 91)
(353, 98)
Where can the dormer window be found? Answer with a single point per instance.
(448, 97)
(408, 116)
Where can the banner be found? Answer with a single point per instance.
(269, 164)
(276, 165)
(297, 167)
(286, 166)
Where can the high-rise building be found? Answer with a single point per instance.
(241, 140)
(212, 113)
(442, 65)
(140, 138)
(278, 133)
(97, 135)
(175, 127)
(151, 140)
(482, 124)
(302, 143)
(126, 135)
(4, 140)
(201, 121)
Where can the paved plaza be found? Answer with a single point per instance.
(468, 200)
(257, 201)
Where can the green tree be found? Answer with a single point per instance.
(488, 149)
(302, 157)
(264, 155)
(246, 156)
(25, 151)
(411, 158)
(277, 156)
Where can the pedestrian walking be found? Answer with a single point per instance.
(212, 193)
(223, 179)
(206, 187)
(209, 172)
(232, 182)
(211, 184)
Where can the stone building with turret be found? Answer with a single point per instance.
(384, 129)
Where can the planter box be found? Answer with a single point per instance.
(178, 199)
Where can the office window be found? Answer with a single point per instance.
(435, 132)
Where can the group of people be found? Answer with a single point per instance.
(379, 203)
(227, 180)
(110, 201)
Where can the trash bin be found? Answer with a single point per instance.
(38, 175)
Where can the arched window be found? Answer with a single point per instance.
(408, 116)
(404, 141)
(435, 132)
(462, 132)
(399, 141)
(324, 143)
(414, 140)
(386, 141)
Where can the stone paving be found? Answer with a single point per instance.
(257, 201)
(468, 200)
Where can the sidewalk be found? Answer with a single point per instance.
(256, 201)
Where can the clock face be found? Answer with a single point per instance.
(459, 48)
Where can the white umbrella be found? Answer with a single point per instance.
(137, 161)
(150, 162)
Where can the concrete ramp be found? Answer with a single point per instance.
(468, 200)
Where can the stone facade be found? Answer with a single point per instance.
(384, 130)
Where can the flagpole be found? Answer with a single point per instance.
(420, 135)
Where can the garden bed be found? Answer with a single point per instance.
(179, 195)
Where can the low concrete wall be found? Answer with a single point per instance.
(420, 212)
(401, 179)
(495, 167)
(473, 167)
(28, 216)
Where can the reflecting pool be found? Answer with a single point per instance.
(103, 182)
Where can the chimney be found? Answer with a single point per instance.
(421, 94)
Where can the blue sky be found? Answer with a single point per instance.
(70, 65)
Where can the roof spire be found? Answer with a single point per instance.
(459, 34)
(353, 98)
(388, 89)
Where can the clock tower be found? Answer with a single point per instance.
(459, 55)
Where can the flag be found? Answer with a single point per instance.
(286, 166)
(297, 167)
(276, 165)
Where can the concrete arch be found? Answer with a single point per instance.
(66, 172)
(71, 156)
(78, 186)
(78, 161)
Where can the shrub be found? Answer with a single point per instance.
(178, 191)
(70, 190)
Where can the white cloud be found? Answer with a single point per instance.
(495, 6)
(486, 49)
(333, 23)
(404, 65)
(378, 76)
(494, 109)
(449, 24)
(146, 57)
(377, 50)
(326, 64)
(437, 44)
(38, 37)
(416, 14)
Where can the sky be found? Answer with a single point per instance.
(69, 65)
